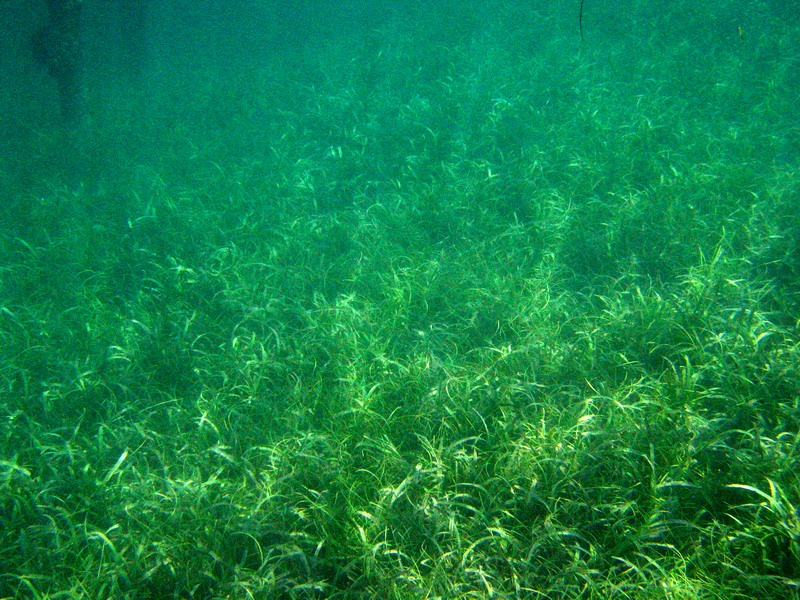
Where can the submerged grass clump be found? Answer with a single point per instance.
(492, 319)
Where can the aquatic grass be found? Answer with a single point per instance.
(484, 320)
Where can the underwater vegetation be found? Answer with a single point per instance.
(481, 311)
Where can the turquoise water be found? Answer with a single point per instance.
(403, 300)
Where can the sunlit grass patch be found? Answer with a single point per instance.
(502, 317)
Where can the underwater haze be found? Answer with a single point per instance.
(400, 299)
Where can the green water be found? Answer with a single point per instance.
(403, 300)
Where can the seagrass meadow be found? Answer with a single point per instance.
(407, 300)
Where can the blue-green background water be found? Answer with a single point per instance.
(402, 299)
